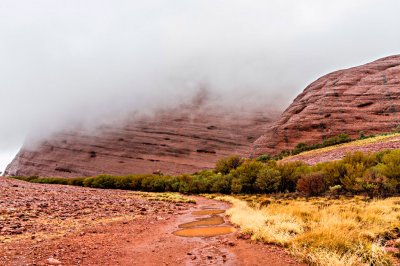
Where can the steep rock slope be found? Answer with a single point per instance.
(364, 98)
(181, 140)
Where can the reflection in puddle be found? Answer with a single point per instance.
(214, 220)
(205, 227)
(212, 206)
(208, 212)
(205, 231)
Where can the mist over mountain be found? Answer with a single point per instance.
(66, 63)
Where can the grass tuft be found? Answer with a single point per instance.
(322, 231)
(166, 196)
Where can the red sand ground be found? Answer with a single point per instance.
(80, 226)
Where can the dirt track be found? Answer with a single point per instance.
(135, 237)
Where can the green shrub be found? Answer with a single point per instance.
(362, 135)
(290, 173)
(341, 138)
(333, 172)
(358, 157)
(221, 184)
(375, 174)
(200, 184)
(268, 181)
(391, 164)
(236, 186)
(353, 178)
(88, 182)
(103, 181)
(171, 184)
(50, 180)
(184, 183)
(245, 175)
(136, 182)
(263, 158)
(78, 181)
(335, 190)
(281, 155)
(379, 155)
(25, 178)
(300, 148)
(225, 165)
(152, 183)
(375, 184)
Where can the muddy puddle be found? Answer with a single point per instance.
(208, 212)
(205, 231)
(205, 227)
(211, 206)
(214, 220)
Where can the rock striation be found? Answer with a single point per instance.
(174, 141)
(360, 99)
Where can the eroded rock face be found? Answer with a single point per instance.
(364, 98)
(183, 140)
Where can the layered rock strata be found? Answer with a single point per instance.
(363, 99)
(180, 140)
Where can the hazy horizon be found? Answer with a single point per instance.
(70, 62)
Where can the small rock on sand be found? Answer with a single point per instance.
(53, 261)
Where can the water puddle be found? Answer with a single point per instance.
(211, 206)
(214, 220)
(205, 227)
(208, 212)
(205, 231)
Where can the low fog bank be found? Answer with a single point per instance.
(67, 63)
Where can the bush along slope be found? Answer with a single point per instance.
(331, 142)
(372, 174)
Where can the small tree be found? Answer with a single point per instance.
(268, 181)
(290, 173)
(362, 135)
(353, 179)
(222, 184)
(311, 184)
(375, 184)
(263, 158)
(245, 176)
(225, 165)
(391, 164)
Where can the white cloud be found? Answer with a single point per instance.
(64, 62)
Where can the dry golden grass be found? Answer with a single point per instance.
(322, 231)
(357, 143)
(164, 196)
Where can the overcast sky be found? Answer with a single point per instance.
(65, 62)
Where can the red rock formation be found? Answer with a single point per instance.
(364, 98)
(182, 140)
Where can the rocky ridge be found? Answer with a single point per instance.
(181, 140)
(363, 99)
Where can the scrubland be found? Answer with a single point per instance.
(342, 212)
(373, 174)
(322, 231)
